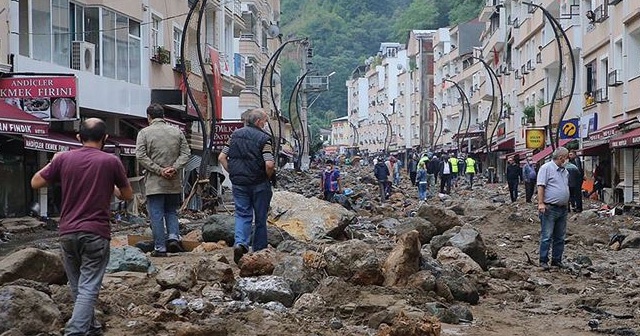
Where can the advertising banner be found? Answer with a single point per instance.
(535, 138)
(570, 129)
(46, 98)
(223, 131)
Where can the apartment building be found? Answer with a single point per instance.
(71, 60)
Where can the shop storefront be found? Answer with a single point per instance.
(626, 148)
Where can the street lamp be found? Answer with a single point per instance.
(560, 35)
(299, 137)
(387, 138)
(440, 121)
(465, 100)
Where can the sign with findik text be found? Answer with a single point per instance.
(223, 131)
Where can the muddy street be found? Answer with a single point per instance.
(459, 264)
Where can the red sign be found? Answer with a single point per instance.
(217, 83)
(630, 139)
(48, 98)
(223, 132)
(22, 127)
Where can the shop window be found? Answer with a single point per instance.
(177, 44)
(633, 54)
(41, 30)
(591, 84)
(156, 32)
(61, 27)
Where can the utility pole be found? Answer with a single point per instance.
(305, 161)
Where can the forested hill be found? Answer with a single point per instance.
(345, 32)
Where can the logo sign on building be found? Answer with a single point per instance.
(535, 138)
(47, 98)
(223, 131)
(570, 129)
(501, 132)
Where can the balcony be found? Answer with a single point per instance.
(488, 9)
(496, 40)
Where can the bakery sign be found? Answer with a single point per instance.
(46, 98)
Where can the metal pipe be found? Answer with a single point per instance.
(464, 99)
(439, 114)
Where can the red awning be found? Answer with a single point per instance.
(142, 123)
(595, 149)
(504, 145)
(470, 134)
(608, 131)
(541, 155)
(522, 154)
(56, 142)
(629, 139)
(127, 146)
(16, 121)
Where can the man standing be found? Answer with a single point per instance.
(433, 169)
(445, 174)
(381, 171)
(248, 157)
(162, 150)
(470, 169)
(454, 170)
(89, 177)
(529, 175)
(413, 169)
(330, 181)
(575, 188)
(553, 200)
(513, 178)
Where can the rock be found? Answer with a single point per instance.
(33, 264)
(388, 225)
(294, 247)
(309, 302)
(583, 260)
(632, 240)
(403, 261)
(209, 327)
(12, 332)
(405, 326)
(538, 281)
(168, 295)
(309, 219)
(422, 280)
(180, 276)
(462, 312)
(462, 288)
(344, 258)
(194, 235)
(442, 290)
(276, 235)
(209, 247)
(442, 313)
(443, 219)
(469, 241)
(128, 259)
(428, 262)
(210, 269)
(27, 310)
(335, 323)
(587, 215)
(505, 274)
(301, 279)
(258, 263)
(264, 289)
(275, 307)
(425, 229)
(219, 227)
(450, 255)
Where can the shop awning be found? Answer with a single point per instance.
(629, 139)
(127, 146)
(56, 142)
(16, 121)
(482, 149)
(470, 134)
(594, 149)
(504, 145)
(610, 130)
(142, 123)
(521, 154)
(541, 155)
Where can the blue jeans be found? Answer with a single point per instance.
(422, 190)
(553, 227)
(163, 211)
(252, 202)
(85, 257)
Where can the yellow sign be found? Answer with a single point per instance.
(535, 138)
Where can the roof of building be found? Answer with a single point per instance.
(345, 118)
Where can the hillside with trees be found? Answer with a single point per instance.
(343, 33)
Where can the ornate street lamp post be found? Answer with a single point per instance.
(465, 100)
(440, 122)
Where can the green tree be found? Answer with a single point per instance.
(465, 10)
(421, 14)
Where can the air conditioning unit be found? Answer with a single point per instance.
(83, 56)
(612, 78)
(601, 95)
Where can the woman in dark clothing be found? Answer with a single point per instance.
(513, 178)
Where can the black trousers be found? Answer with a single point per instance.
(529, 187)
(513, 189)
(412, 177)
(445, 182)
(575, 194)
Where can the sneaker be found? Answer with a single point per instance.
(557, 263)
(544, 266)
(158, 254)
(174, 246)
(238, 252)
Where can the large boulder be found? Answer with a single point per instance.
(128, 259)
(426, 230)
(301, 277)
(440, 241)
(221, 227)
(25, 309)
(451, 255)
(632, 239)
(180, 276)
(264, 289)
(309, 219)
(259, 263)
(478, 207)
(355, 261)
(442, 218)
(461, 287)
(211, 269)
(469, 241)
(33, 264)
(403, 261)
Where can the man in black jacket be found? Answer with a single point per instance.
(513, 178)
(381, 172)
(433, 169)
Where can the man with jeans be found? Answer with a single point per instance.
(553, 202)
(162, 150)
(88, 177)
(248, 157)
